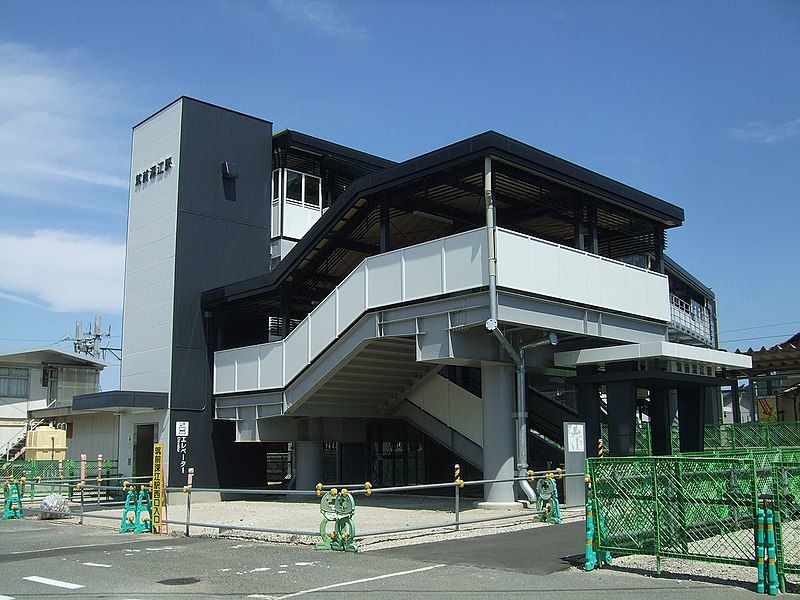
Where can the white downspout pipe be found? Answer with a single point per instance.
(520, 416)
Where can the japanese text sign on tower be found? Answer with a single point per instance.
(158, 487)
(181, 442)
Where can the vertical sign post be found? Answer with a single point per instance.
(158, 487)
(181, 442)
(574, 462)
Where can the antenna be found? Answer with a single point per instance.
(88, 342)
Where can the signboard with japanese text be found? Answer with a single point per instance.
(158, 488)
(181, 443)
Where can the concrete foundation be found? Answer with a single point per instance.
(497, 390)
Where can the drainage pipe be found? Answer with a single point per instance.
(520, 416)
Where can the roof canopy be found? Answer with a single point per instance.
(51, 356)
(783, 357)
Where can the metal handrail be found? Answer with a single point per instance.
(361, 489)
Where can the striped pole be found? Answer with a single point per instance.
(760, 551)
(590, 559)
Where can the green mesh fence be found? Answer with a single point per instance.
(724, 436)
(56, 469)
(643, 442)
(691, 508)
(786, 492)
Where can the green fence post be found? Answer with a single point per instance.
(656, 516)
(760, 550)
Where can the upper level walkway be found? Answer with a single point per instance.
(542, 284)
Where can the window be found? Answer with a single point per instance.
(276, 184)
(14, 382)
(313, 191)
(294, 186)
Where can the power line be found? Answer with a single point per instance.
(25, 340)
(762, 337)
(760, 327)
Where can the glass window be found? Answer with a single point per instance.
(294, 186)
(276, 184)
(13, 382)
(313, 190)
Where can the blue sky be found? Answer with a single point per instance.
(695, 102)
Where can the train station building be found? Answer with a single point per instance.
(379, 320)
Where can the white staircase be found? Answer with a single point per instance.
(15, 447)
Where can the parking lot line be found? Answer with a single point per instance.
(92, 564)
(6, 597)
(53, 582)
(354, 582)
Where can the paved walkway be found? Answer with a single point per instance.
(40, 559)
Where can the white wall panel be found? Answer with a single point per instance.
(295, 351)
(247, 368)
(569, 274)
(351, 298)
(384, 281)
(323, 325)
(150, 252)
(423, 276)
(270, 365)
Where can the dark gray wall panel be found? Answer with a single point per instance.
(219, 239)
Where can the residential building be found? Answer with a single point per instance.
(38, 386)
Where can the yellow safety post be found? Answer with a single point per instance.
(318, 487)
(368, 489)
(531, 476)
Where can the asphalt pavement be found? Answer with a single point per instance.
(55, 559)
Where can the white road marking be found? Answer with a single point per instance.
(303, 564)
(346, 583)
(6, 597)
(91, 564)
(259, 569)
(53, 582)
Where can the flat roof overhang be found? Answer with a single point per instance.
(500, 147)
(120, 401)
(652, 350)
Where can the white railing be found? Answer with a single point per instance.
(694, 321)
(442, 266)
(549, 269)
(426, 270)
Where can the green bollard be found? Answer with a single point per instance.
(12, 508)
(143, 511)
(339, 508)
(129, 516)
(773, 571)
(547, 500)
(760, 551)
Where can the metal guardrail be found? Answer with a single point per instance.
(366, 489)
(696, 322)
(88, 509)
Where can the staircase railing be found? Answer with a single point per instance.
(12, 450)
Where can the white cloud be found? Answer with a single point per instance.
(62, 271)
(57, 129)
(323, 15)
(764, 133)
